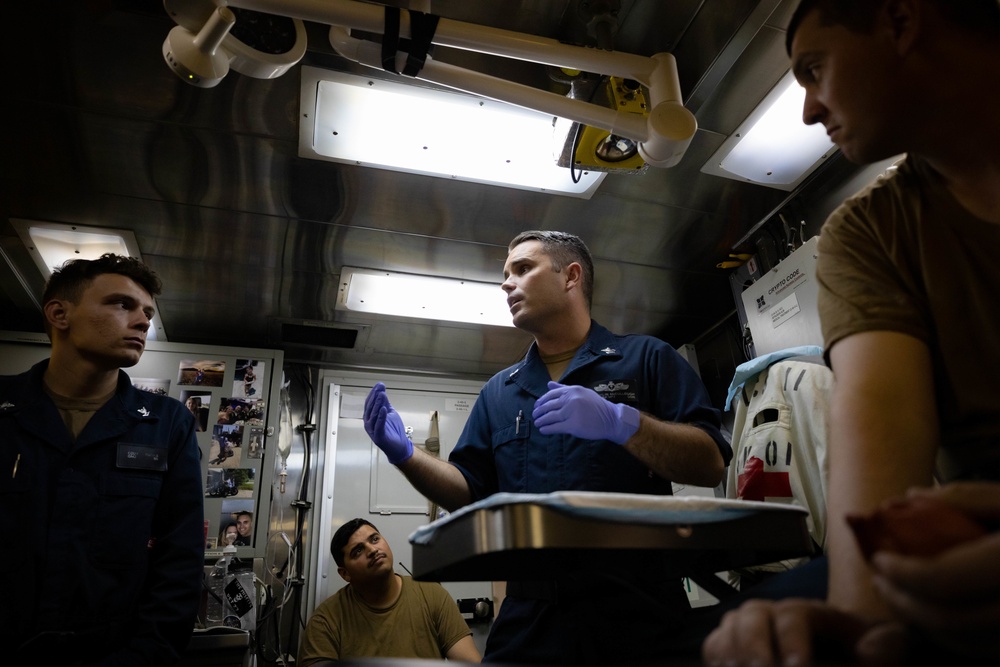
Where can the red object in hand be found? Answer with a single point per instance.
(913, 527)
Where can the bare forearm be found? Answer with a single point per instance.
(437, 480)
(679, 452)
(883, 440)
(464, 650)
(865, 469)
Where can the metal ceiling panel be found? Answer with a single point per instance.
(247, 235)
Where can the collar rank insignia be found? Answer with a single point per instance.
(143, 412)
(609, 350)
(6, 405)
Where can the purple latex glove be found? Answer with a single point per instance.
(584, 413)
(385, 426)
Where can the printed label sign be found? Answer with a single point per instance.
(784, 310)
(458, 405)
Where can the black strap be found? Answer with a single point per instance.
(390, 39)
(422, 29)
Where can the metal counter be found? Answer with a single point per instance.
(537, 537)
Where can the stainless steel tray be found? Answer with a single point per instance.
(537, 540)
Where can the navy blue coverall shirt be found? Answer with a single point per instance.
(103, 538)
(630, 604)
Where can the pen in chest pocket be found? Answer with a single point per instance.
(517, 422)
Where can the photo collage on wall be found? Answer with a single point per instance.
(160, 387)
(229, 418)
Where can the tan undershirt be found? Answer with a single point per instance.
(558, 363)
(76, 412)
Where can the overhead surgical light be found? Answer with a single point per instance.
(422, 297)
(597, 149)
(209, 41)
(197, 58)
(52, 244)
(773, 146)
(615, 149)
(661, 134)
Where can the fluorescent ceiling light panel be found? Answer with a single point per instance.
(51, 245)
(773, 146)
(405, 127)
(423, 297)
(57, 246)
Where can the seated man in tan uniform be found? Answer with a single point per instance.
(380, 613)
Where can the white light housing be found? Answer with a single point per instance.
(377, 123)
(216, 58)
(773, 146)
(424, 297)
(198, 58)
(51, 245)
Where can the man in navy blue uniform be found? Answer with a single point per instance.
(101, 494)
(585, 409)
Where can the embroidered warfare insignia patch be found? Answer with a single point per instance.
(618, 391)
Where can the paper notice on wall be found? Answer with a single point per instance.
(784, 311)
(458, 404)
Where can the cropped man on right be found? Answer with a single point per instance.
(908, 290)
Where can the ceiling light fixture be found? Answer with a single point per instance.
(360, 120)
(773, 147)
(424, 297)
(210, 40)
(661, 133)
(197, 58)
(52, 244)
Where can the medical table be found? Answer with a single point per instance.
(517, 537)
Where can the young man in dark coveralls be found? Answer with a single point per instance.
(101, 492)
(586, 409)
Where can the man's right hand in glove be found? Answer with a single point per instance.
(385, 427)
